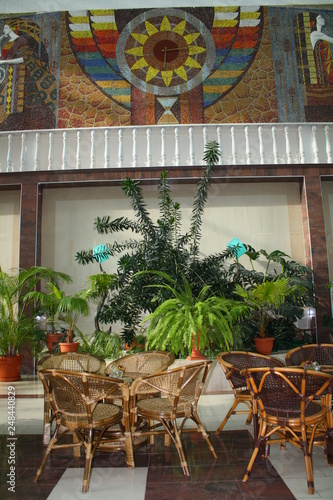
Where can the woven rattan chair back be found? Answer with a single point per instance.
(322, 353)
(71, 361)
(77, 400)
(232, 363)
(78, 393)
(142, 363)
(166, 397)
(289, 409)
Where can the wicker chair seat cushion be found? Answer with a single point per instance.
(158, 406)
(102, 412)
(285, 414)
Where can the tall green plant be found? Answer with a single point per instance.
(161, 246)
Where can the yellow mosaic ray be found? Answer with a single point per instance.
(151, 73)
(135, 51)
(192, 63)
(180, 28)
(140, 38)
(167, 77)
(182, 73)
(151, 29)
(165, 24)
(141, 63)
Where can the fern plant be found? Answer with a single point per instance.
(204, 319)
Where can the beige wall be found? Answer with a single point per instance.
(264, 215)
(327, 193)
(9, 230)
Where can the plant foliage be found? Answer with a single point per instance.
(161, 246)
(62, 308)
(17, 314)
(277, 296)
(204, 319)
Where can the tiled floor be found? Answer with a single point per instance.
(157, 474)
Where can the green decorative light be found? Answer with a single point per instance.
(101, 253)
(238, 248)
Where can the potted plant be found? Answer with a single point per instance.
(106, 345)
(49, 303)
(186, 319)
(65, 309)
(17, 316)
(265, 301)
(46, 303)
(160, 244)
(70, 308)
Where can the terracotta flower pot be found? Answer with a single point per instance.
(52, 339)
(136, 343)
(264, 345)
(10, 368)
(68, 346)
(196, 354)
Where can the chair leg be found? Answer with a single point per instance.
(129, 450)
(260, 439)
(46, 432)
(179, 447)
(195, 417)
(47, 423)
(76, 449)
(308, 462)
(249, 418)
(228, 415)
(47, 453)
(151, 437)
(87, 467)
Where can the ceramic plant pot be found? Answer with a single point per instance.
(52, 340)
(196, 354)
(68, 346)
(10, 368)
(264, 345)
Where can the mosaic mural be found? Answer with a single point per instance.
(166, 66)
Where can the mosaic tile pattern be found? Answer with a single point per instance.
(166, 66)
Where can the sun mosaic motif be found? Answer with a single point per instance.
(166, 50)
(165, 54)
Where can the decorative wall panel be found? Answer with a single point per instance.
(166, 66)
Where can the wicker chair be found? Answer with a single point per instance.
(322, 353)
(72, 361)
(179, 390)
(232, 363)
(288, 409)
(77, 402)
(142, 363)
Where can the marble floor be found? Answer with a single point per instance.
(157, 474)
